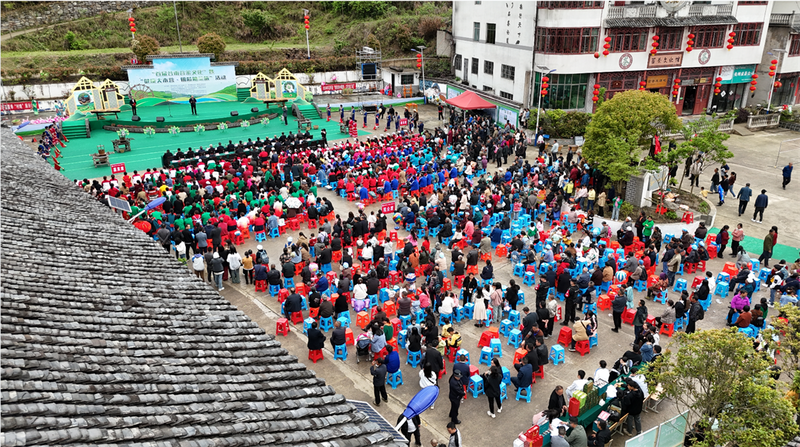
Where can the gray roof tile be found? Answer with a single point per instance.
(106, 340)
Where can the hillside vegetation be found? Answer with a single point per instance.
(258, 34)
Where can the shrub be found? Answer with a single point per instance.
(144, 46)
(211, 43)
(703, 207)
(261, 23)
(671, 215)
(626, 210)
(428, 26)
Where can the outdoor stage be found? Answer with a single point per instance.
(146, 151)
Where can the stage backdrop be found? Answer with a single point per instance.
(175, 79)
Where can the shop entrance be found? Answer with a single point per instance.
(689, 97)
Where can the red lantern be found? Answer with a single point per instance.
(755, 76)
(753, 89)
(653, 51)
(608, 39)
(773, 61)
(544, 92)
(655, 37)
(306, 26)
(130, 19)
(132, 24)
(655, 45)
(545, 79)
(596, 55)
(419, 65)
(690, 43)
(690, 36)
(730, 47)
(688, 49)
(719, 79)
(607, 46)
(306, 17)
(716, 91)
(772, 74)
(545, 85)
(732, 34)
(596, 86)
(606, 53)
(595, 98)
(753, 82)
(778, 84)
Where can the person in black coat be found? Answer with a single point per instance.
(338, 336)
(274, 276)
(433, 357)
(632, 401)
(414, 340)
(294, 303)
(316, 339)
(491, 386)
(378, 371)
(341, 306)
(404, 429)
(456, 394)
(557, 402)
(601, 437)
(524, 374)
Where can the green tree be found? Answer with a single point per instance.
(718, 377)
(624, 125)
(702, 136)
(261, 23)
(211, 43)
(788, 332)
(144, 46)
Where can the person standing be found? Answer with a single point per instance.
(328, 111)
(410, 426)
(696, 314)
(762, 201)
(441, 113)
(616, 204)
(787, 174)
(193, 103)
(737, 236)
(456, 394)
(491, 384)
(601, 204)
(455, 435)
(638, 321)
(285, 116)
(378, 371)
(722, 240)
(133, 110)
(744, 197)
(618, 307)
(769, 244)
(696, 169)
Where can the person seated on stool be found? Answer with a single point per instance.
(338, 336)
(316, 339)
(581, 331)
(392, 359)
(599, 438)
(524, 376)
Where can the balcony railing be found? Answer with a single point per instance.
(763, 121)
(711, 10)
(632, 12)
(780, 19)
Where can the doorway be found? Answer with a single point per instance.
(689, 97)
(393, 90)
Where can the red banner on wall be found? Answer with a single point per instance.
(337, 87)
(16, 106)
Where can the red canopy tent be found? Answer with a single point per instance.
(470, 101)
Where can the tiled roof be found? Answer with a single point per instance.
(636, 22)
(794, 442)
(107, 340)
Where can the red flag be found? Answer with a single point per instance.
(658, 146)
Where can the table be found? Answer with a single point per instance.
(122, 145)
(100, 159)
(100, 112)
(281, 101)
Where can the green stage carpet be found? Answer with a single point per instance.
(755, 247)
(146, 151)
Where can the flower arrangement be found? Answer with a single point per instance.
(245, 124)
(199, 128)
(265, 122)
(174, 130)
(222, 126)
(123, 133)
(149, 131)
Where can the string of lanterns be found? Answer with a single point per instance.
(754, 82)
(654, 45)
(731, 40)
(717, 85)
(305, 20)
(419, 60)
(690, 43)
(607, 46)
(595, 93)
(132, 24)
(676, 88)
(545, 80)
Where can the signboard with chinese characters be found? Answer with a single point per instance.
(338, 87)
(662, 60)
(737, 74)
(657, 81)
(117, 168)
(16, 106)
(176, 79)
(403, 122)
(388, 207)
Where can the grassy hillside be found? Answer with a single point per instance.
(259, 34)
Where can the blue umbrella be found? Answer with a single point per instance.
(419, 403)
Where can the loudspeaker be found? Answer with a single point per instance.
(234, 113)
(160, 119)
(254, 109)
(135, 118)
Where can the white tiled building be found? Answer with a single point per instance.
(570, 37)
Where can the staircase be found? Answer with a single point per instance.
(242, 94)
(74, 129)
(309, 111)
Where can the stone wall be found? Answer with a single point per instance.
(57, 12)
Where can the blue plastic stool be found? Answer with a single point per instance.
(460, 353)
(543, 268)
(506, 375)
(459, 313)
(560, 296)
(488, 317)
(640, 285)
(514, 317)
(497, 348)
(288, 283)
(414, 358)
(593, 341)
(680, 286)
(261, 236)
(661, 297)
(520, 298)
(723, 277)
(680, 323)
(475, 385)
(486, 355)
(527, 395)
(445, 318)
(557, 354)
(383, 295)
(340, 352)
(326, 324)
(401, 338)
(274, 290)
(420, 315)
(722, 289)
(505, 328)
(303, 304)
(274, 233)
(763, 274)
(325, 268)
(515, 339)
(519, 270)
(344, 321)
(373, 300)
(405, 320)
(587, 307)
(529, 278)
(395, 379)
(605, 286)
(307, 324)
(469, 310)
(503, 391)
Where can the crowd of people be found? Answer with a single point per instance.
(462, 219)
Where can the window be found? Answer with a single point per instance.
(490, 32)
(406, 79)
(457, 62)
(564, 91)
(476, 31)
(506, 95)
(628, 39)
(794, 47)
(670, 39)
(488, 89)
(488, 67)
(709, 36)
(570, 5)
(507, 72)
(474, 66)
(747, 34)
(477, 2)
(752, 3)
(566, 40)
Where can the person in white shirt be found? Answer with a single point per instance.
(447, 305)
(577, 385)
(602, 374)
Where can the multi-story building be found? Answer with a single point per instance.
(610, 44)
(782, 46)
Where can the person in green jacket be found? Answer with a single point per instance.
(577, 434)
(647, 229)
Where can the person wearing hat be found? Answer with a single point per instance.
(576, 437)
(456, 394)
(218, 268)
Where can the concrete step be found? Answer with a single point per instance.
(742, 130)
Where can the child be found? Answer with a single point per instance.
(703, 192)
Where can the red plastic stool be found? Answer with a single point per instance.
(697, 281)
(519, 354)
(730, 268)
(348, 337)
(582, 347)
(501, 251)
(627, 316)
(486, 338)
(459, 281)
(540, 373)
(486, 257)
(362, 319)
(313, 312)
(389, 307)
(381, 354)
(394, 278)
(261, 285)
(667, 329)
(315, 355)
(397, 325)
(446, 285)
(297, 317)
(565, 336)
(282, 295)
(688, 217)
(336, 256)
(651, 320)
(282, 327)
(393, 344)
(301, 288)
(604, 302)
(450, 353)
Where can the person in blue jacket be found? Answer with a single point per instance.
(787, 174)
(392, 360)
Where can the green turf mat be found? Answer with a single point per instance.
(755, 245)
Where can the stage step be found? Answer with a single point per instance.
(309, 111)
(74, 129)
(242, 93)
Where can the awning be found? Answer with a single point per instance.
(470, 101)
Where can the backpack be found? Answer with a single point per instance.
(262, 257)
(701, 314)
